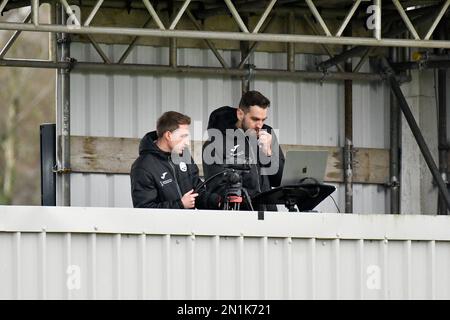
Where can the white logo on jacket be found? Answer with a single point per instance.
(163, 176)
(183, 166)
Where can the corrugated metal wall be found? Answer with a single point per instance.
(306, 112)
(98, 253)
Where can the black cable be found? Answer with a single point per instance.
(208, 180)
(248, 199)
(339, 211)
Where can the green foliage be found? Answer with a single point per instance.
(27, 100)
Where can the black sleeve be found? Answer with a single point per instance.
(277, 159)
(275, 180)
(145, 194)
(205, 199)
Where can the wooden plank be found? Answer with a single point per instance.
(116, 155)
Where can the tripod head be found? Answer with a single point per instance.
(233, 186)
(235, 193)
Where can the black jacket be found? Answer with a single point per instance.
(157, 182)
(257, 180)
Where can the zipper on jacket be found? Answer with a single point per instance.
(175, 176)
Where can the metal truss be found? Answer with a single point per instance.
(322, 33)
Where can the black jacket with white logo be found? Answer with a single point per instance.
(157, 182)
(224, 120)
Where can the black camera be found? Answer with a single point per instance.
(235, 193)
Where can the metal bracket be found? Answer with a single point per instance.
(392, 184)
(71, 62)
(325, 73)
(59, 170)
(251, 72)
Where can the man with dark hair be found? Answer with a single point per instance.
(159, 179)
(239, 136)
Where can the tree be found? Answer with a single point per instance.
(27, 99)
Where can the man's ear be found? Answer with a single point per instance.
(168, 135)
(240, 114)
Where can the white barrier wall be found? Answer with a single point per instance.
(109, 253)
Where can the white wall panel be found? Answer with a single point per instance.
(107, 253)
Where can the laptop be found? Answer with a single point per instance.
(304, 164)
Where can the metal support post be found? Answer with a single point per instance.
(62, 115)
(395, 87)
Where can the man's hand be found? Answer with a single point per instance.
(265, 142)
(189, 199)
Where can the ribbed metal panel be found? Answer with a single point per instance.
(305, 112)
(87, 253)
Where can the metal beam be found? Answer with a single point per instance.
(154, 15)
(13, 38)
(188, 70)
(208, 42)
(377, 30)
(62, 115)
(236, 16)
(179, 14)
(318, 17)
(3, 5)
(437, 19)
(69, 12)
(395, 87)
(255, 44)
(426, 64)
(280, 38)
(394, 158)
(291, 46)
(325, 47)
(264, 16)
(406, 19)
(396, 31)
(35, 11)
(99, 49)
(133, 43)
(348, 18)
(442, 134)
(93, 13)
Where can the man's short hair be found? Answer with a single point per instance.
(170, 121)
(253, 98)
